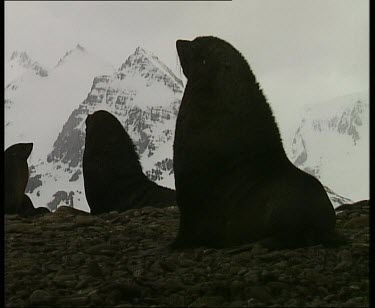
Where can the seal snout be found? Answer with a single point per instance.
(181, 45)
(184, 50)
(29, 148)
(21, 150)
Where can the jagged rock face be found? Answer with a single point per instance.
(144, 95)
(36, 108)
(78, 48)
(23, 60)
(348, 123)
(151, 69)
(335, 198)
(61, 197)
(18, 68)
(67, 148)
(140, 121)
(18, 64)
(332, 143)
(165, 165)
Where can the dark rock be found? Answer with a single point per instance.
(127, 263)
(344, 265)
(64, 226)
(208, 301)
(94, 269)
(355, 302)
(19, 228)
(84, 282)
(358, 222)
(252, 302)
(65, 281)
(258, 250)
(260, 293)
(104, 249)
(41, 298)
(85, 220)
(236, 289)
(73, 301)
(251, 277)
(278, 286)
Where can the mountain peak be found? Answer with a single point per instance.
(22, 55)
(19, 63)
(147, 64)
(141, 56)
(140, 51)
(79, 49)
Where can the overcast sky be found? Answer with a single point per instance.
(301, 51)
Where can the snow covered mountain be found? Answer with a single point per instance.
(332, 143)
(335, 198)
(145, 96)
(50, 110)
(19, 64)
(36, 107)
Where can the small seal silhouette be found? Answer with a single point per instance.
(234, 182)
(16, 176)
(113, 176)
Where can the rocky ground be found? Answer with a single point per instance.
(70, 258)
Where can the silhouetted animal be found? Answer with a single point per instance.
(16, 176)
(234, 182)
(112, 173)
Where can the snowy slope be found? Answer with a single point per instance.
(37, 109)
(19, 64)
(332, 143)
(144, 95)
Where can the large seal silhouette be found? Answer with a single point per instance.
(234, 182)
(113, 176)
(16, 176)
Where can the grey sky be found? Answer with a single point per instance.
(301, 51)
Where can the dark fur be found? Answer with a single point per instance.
(234, 182)
(16, 176)
(112, 173)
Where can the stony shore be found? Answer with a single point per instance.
(72, 259)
